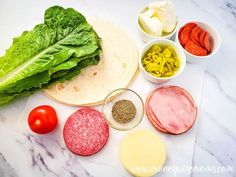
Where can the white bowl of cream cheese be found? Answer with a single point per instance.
(157, 21)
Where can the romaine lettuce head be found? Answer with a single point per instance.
(55, 50)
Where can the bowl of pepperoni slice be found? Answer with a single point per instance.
(199, 41)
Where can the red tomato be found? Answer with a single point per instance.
(42, 119)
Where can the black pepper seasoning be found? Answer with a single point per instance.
(123, 111)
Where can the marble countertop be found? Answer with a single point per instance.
(208, 149)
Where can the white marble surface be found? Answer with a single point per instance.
(210, 144)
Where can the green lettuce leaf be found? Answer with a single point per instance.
(55, 50)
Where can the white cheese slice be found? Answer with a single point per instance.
(149, 13)
(157, 4)
(166, 13)
(151, 25)
(142, 153)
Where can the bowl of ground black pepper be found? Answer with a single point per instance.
(125, 111)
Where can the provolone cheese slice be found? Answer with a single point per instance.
(142, 153)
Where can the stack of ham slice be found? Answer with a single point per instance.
(171, 109)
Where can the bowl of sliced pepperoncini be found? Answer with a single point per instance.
(125, 111)
(161, 60)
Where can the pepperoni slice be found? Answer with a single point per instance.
(195, 35)
(207, 42)
(201, 39)
(194, 39)
(180, 31)
(174, 107)
(184, 32)
(191, 25)
(86, 132)
(185, 35)
(195, 49)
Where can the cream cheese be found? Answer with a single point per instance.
(158, 18)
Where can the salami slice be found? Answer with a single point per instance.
(174, 108)
(86, 132)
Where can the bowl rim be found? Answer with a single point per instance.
(158, 41)
(152, 36)
(107, 100)
(207, 24)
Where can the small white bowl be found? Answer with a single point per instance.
(147, 37)
(179, 51)
(214, 37)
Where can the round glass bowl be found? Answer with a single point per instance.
(123, 94)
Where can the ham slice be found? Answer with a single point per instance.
(151, 116)
(174, 108)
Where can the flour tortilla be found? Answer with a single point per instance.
(116, 69)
